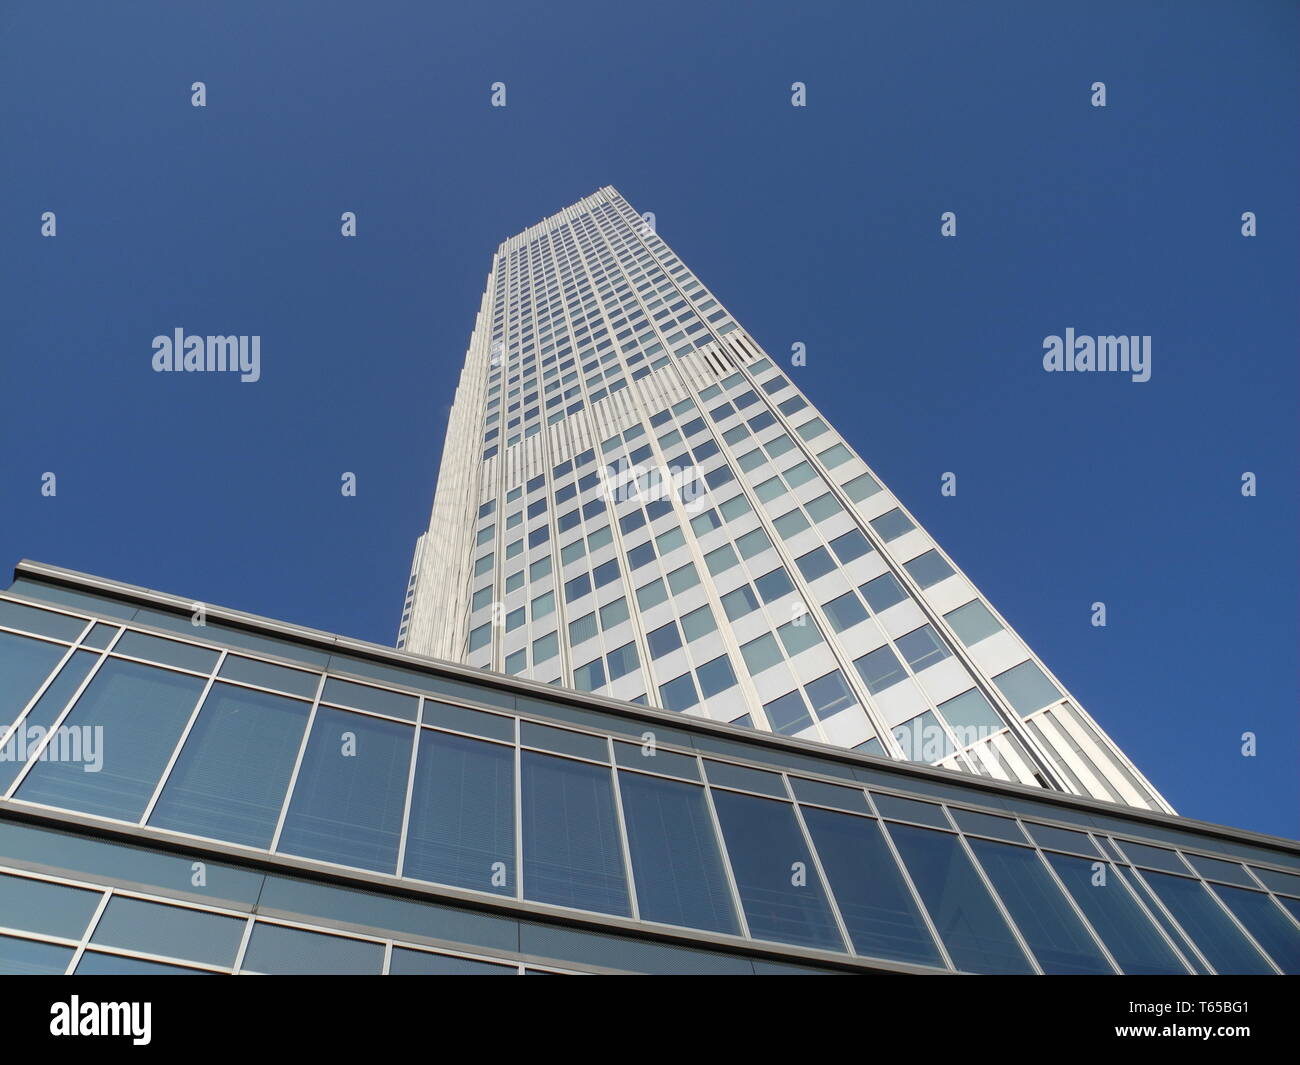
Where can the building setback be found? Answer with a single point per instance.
(635, 500)
(275, 799)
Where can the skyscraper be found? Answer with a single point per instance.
(635, 500)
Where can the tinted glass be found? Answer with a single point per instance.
(779, 886)
(572, 853)
(675, 861)
(232, 774)
(463, 814)
(348, 798)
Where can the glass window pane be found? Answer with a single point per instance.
(281, 951)
(972, 622)
(970, 925)
(50, 909)
(425, 963)
(23, 740)
(1266, 922)
(25, 957)
(922, 648)
(1026, 688)
(169, 652)
(1209, 927)
(572, 855)
(172, 931)
(24, 665)
(139, 712)
(1111, 909)
(348, 798)
(94, 963)
(230, 779)
(34, 619)
(1050, 926)
(462, 825)
(880, 669)
(882, 917)
(883, 592)
(675, 861)
(928, 569)
(779, 886)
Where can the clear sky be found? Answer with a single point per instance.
(817, 225)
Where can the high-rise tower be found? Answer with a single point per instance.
(635, 500)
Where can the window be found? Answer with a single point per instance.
(651, 594)
(969, 923)
(740, 602)
(721, 559)
(892, 524)
(143, 710)
(734, 507)
(664, 640)
(614, 613)
(816, 563)
(543, 605)
(215, 789)
(589, 677)
(545, 648)
(1047, 921)
(698, 623)
(764, 841)
(851, 545)
(583, 628)
(349, 795)
(928, 569)
(770, 489)
(972, 622)
(971, 717)
(606, 573)
(622, 661)
(680, 878)
(752, 543)
(883, 592)
(572, 855)
(845, 611)
(679, 694)
(771, 586)
(922, 648)
(1027, 688)
(876, 905)
(835, 455)
(681, 579)
(715, 676)
(761, 653)
(480, 637)
(790, 523)
(829, 694)
(481, 598)
(880, 669)
(799, 635)
(462, 813)
(861, 487)
(788, 714)
(577, 588)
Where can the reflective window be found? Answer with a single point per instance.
(295, 952)
(1049, 924)
(425, 963)
(173, 931)
(1111, 909)
(972, 622)
(928, 569)
(24, 664)
(140, 711)
(969, 923)
(232, 774)
(1026, 688)
(883, 592)
(25, 957)
(348, 798)
(50, 909)
(572, 855)
(13, 755)
(1210, 928)
(675, 861)
(880, 669)
(1266, 922)
(779, 886)
(462, 824)
(882, 917)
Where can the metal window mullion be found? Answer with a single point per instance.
(410, 788)
(736, 901)
(817, 867)
(34, 757)
(297, 765)
(622, 832)
(180, 742)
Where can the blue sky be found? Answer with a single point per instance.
(818, 225)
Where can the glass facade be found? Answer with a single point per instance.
(625, 465)
(269, 802)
